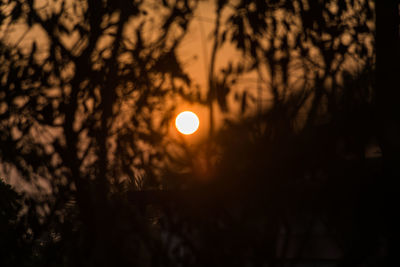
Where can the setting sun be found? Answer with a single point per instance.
(187, 122)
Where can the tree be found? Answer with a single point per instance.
(79, 110)
(88, 112)
(304, 160)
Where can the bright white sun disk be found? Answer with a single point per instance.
(187, 122)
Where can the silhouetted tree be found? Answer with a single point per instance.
(83, 109)
(87, 112)
(304, 162)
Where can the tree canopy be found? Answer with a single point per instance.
(88, 91)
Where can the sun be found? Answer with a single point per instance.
(187, 122)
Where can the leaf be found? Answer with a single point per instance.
(16, 12)
(63, 29)
(2, 17)
(222, 91)
(223, 38)
(243, 105)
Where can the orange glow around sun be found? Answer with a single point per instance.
(187, 122)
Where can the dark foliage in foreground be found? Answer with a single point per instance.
(293, 185)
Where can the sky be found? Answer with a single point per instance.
(194, 53)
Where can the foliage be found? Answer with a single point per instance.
(88, 110)
(15, 240)
(298, 49)
(272, 186)
(302, 162)
(78, 110)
